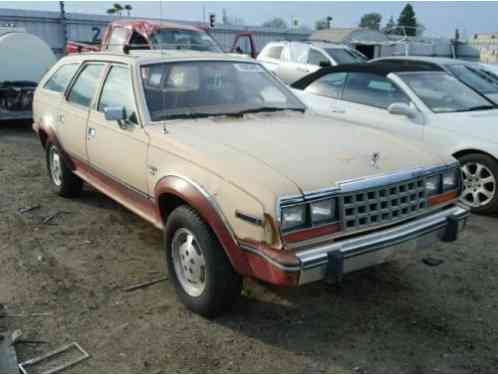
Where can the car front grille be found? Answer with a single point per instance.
(382, 205)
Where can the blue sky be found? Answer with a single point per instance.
(440, 18)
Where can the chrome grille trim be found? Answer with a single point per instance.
(382, 205)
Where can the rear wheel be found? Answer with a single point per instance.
(480, 177)
(204, 278)
(64, 182)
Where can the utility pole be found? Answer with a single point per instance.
(63, 24)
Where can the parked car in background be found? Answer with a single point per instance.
(188, 141)
(24, 59)
(419, 102)
(291, 61)
(147, 34)
(473, 74)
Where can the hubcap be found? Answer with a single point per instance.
(189, 262)
(479, 184)
(55, 166)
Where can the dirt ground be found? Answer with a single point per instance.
(63, 281)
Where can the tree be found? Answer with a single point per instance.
(323, 23)
(371, 21)
(276, 23)
(118, 9)
(408, 21)
(128, 9)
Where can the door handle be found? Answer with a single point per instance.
(92, 133)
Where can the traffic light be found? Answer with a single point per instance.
(212, 20)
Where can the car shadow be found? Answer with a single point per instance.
(375, 321)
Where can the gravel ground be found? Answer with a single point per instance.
(63, 281)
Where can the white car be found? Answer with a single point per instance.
(419, 102)
(291, 61)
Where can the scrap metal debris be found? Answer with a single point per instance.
(24, 366)
(28, 209)
(8, 355)
(144, 285)
(50, 218)
(433, 262)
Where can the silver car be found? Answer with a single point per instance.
(291, 61)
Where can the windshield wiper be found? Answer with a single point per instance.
(265, 109)
(180, 116)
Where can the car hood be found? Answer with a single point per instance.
(312, 152)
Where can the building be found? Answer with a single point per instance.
(487, 45)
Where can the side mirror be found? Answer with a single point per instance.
(403, 109)
(324, 63)
(115, 113)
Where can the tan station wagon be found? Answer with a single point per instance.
(243, 180)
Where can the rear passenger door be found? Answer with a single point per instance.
(118, 149)
(322, 95)
(365, 99)
(72, 119)
(271, 57)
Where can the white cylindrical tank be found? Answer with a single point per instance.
(23, 56)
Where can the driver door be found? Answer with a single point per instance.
(118, 149)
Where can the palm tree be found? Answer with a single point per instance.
(128, 8)
(111, 11)
(118, 7)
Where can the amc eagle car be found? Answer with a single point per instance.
(213, 150)
(418, 102)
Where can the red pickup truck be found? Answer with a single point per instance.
(147, 34)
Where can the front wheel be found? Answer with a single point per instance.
(480, 176)
(204, 278)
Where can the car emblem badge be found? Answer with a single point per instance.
(375, 160)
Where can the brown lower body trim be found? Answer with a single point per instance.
(134, 201)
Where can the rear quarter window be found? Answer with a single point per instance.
(86, 84)
(60, 79)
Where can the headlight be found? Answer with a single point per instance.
(450, 180)
(293, 217)
(433, 185)
(323, 211)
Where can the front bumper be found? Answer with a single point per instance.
(331, 261)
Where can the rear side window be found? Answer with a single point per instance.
(330, 85)
(274, 52)
(84, 88)
(118, 92)
(59, 80)
(316, 57)
(371, 89)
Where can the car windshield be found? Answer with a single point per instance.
(475, 78)
(344, 56)
(184, 39)
(443, 93)
(211, 88)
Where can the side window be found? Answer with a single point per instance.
(316, 57)
(84, 88)
(299, 52)
(61, 78)
(275, 52)
(330, 85)
(371, 89)
(118, 92)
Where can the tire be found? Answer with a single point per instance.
(64, 182)
(480, 178)
(204, 279)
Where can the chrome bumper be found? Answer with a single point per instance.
(332, 260)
